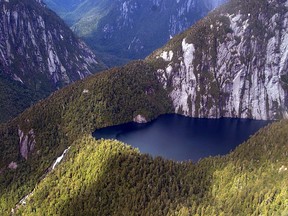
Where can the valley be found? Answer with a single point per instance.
(119, 31)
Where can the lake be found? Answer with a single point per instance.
(182, 138)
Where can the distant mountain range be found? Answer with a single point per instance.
(129, 29)
(38, 53)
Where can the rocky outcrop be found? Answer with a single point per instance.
(233, 63)
(26, 142)
(13, 165)
(140, 119)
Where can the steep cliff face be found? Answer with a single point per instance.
(37, 49)
(233, 63)
(140, 26)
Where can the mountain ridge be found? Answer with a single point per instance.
(221, 68)
(107, 98)
(39, 50)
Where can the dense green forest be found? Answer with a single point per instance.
(105, 99)
(106, 177)
(15, 97)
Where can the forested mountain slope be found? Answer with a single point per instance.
(14, 97)
(109, 178)
(32, 141)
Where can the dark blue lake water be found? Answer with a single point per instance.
(182, 138)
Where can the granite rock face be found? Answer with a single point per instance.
(140, 119)
(38, 49)
(26, 142)
(38, 55)
(233, 63)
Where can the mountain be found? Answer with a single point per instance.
(130, 29)
(108, 178)
(30, 142)
(232, 63)
(99, 177)
(39, 52)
